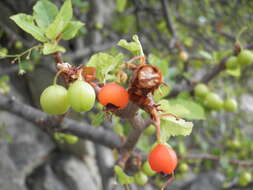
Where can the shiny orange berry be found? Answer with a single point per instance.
(113, 95)
(163, 159)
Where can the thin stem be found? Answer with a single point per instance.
(56, 76)
(28, 51)
(142, 58)
(170, 180)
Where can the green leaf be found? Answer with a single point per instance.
(170, 126)
(61, 21)
(98, 119)
(50, 48)
(163, 64)
(71, 30)
(187, 109)
(163, 92)
(104, 63)
(121, 5)
(26, 22)
(134, 47)
(195, 111)
(122, 178)
(44, 13)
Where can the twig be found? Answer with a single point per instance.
(42, 120)
(243, 163)
(167, 18)
(139, 124)
(205, 79)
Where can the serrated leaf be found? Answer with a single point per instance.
(195, 110)
(163, 92)
(98, 119)
(134, 47)
(121, 5)
(49, 48)
(26, 22)
(104, 63)
(161, 63)
(61, 21)
(71, 30)
(44, 13)
(187, 109)
(170, 126)
(176, 109)
(122, 178)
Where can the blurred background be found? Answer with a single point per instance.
(189, 38)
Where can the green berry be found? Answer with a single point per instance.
(244, 179)
(183, 167)
(54, 100)
(71, 139)
(232, 63)
(150, 130)
(18, 45)
(201, 90)
(147, 169)
(140, 178)
(230, 105)
(81, 96)
(213, 101)
(245, 57)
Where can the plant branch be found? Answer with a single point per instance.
(165, 8)
(205, 79)
(243, 163)
(44, 121)
(139, 124)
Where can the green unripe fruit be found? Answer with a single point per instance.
(183, 167)
(18, 45)
(245, 57)
(230, 105)
(54, 100)
(201, 90)
(147, 169)
(3, 52)
(235, 144)
(232, 63)
(68, 138)
(71, 139)
(213, 101)
(245, 179)
(150, 130)
(140, 178)
(81, 96)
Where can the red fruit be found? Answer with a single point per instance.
(114, 95)
(163, 159)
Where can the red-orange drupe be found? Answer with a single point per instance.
(163, 159)
(114, 95)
